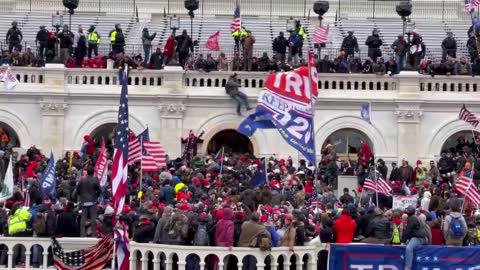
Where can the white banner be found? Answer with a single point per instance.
(402, 202)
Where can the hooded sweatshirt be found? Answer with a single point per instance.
(225, 229)
(425, 202)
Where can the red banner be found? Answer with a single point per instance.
(101, 166)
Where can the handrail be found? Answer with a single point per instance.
(143, 254)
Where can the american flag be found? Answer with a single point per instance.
(151, 154)
(380, 186)
(134, 146)
(471, 5)
(468, 117)
(320, 35)
(120, 174)
(466, 187)
(237, 20)
(92, 258)
(27, 199)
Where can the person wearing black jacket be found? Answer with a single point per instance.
(350, 44)
(144, 231)
(67, 222)
(472, 48)
(279, 47)
(66, 42)
(414, 235)
(449, 47)
(88, 191)
(184, 47)
(14, 38)
(42, 39)
(374, 42)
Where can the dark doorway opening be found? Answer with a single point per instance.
(231, 140)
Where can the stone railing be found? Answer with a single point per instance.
(157, 81)
(148, 256)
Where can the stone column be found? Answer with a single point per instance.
(52, 134)
(171, 126)
(409, 118)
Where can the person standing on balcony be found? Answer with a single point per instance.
(449, 47)
(93, 41)
(238, 36)
(14, 38)
(248, 51)
(41, 41)
(147, 44)
(472, 48)
(279, 47)
(88, 191)
(300, 30)
(294, 43)
(417, 49)
(374, 42)
(117, 39)
(350, 44)
(400, 47)
(66, 42)
(80, 45)
(184, 47)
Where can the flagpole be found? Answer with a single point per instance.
(141, 171)
(221, 161)
(312, 105)
(114, 250)
(376, 181)
(265, 167)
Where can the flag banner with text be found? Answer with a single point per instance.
(446, 258)
(366, 257)
(286, 104)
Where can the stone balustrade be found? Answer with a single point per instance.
(145, 256)
(65, 80)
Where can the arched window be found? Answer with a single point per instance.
(8, 137)
(231, 141)
(457, 141)
(347, 142)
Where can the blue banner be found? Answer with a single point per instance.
(48, 181)
(447, 258)
(366, 257)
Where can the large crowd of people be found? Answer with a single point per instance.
(189, 202)
(80, 49)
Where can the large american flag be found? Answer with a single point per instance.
(92, 258)
(134, 146)
(374, 182)
(468, 117)
(120, 175)
(320, 35)
(151, 154)
(466, 187)
(237, 19)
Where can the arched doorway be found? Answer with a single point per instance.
(8, 137)
(347, 142)
(455, 143)
(233, 142)
(104, 132)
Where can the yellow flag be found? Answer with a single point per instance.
(71, 160)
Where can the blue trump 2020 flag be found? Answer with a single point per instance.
(48, 181)
(286, 105)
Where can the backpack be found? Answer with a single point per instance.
(456, 228)
(264, 243)
(396, 235)
(201, 236)
(40, 224)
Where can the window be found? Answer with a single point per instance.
(347, 142)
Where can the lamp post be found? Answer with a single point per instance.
(57, 22)
(71, 5)
(191, 6)
(404, 9)
(320, 7)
